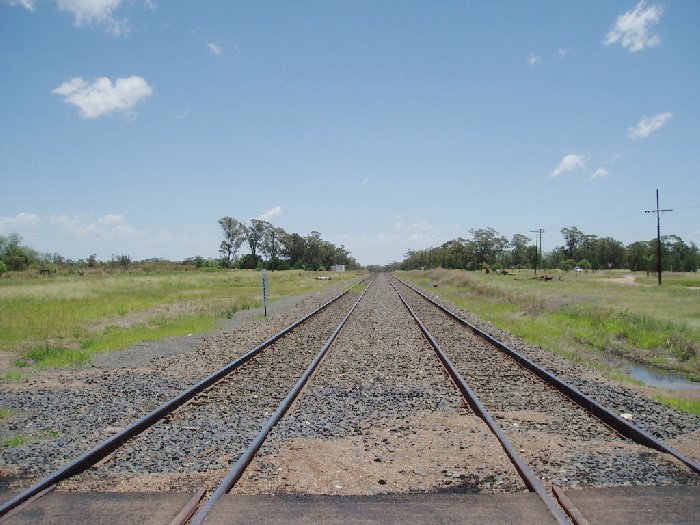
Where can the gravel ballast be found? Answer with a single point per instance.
(379, 415)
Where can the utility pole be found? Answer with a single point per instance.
(658, 213)
(538, 254)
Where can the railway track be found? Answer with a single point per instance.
(378, 413)
(198, 422)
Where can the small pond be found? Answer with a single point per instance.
(658, 377)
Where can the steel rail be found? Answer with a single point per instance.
(607, 416)
(244, 460)
(526, 473)
(92, 456)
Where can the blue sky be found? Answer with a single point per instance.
(132, 126)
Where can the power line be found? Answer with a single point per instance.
(538, 254)
(658, 213)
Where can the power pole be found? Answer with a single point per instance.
(538, 254)
(658, 213)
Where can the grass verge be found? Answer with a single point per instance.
(62, 321)
(595, 321)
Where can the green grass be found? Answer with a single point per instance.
(19, 440)
(679, 403)
(5, 412)
(15, 441)
(52, 356)
(591, 319)
(61, 321)
(14, 376)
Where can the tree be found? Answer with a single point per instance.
(15, 256)
(573, 240)
(639, 256)
(254, 235)
(271, 244)
(584, 264)
(293, 249)
(610, 253)
(568, 265)
(489, 246)
(520, 254)
(234, 237)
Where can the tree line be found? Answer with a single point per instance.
(488, 249)
(273, 248)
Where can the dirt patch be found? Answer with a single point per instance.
(432, 452)
(688, 444)
(140, 482)
(627, 279)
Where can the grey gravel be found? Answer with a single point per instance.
(66, 412)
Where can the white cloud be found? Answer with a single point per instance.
(214, 48)
(90, 12)
(366, 181)
(102, 97)
(632, 31)
(534, 59)
(27, 4)
(647, 125)
(95, 12)
(21, 221)
(570, 162)
(599, 174)
(561, 53)
(271, 214)
(109, 226)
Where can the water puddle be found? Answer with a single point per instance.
(658, 377)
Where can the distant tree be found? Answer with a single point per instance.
(488, 246)
(293, 248)
(520, 250)
(255, 234)
(248, 262)
(123, 260)
(3, 267)
(568, 265)
(271, 244)
(92, 261)
(573, 241)
(610, 253)
(15, 256)
(584, 264)
(639, 256)
(234, 236)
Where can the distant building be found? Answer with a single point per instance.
(338, 268)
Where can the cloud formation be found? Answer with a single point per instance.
(271, 214)
(599, 174)
(95, 12)
(102, 97)
(534, 59)
(214, 48)
(632, 31)
(647, 125)
(90, 12)
(570, 162)
(21, 221)
(106, 227)
(27, 4)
